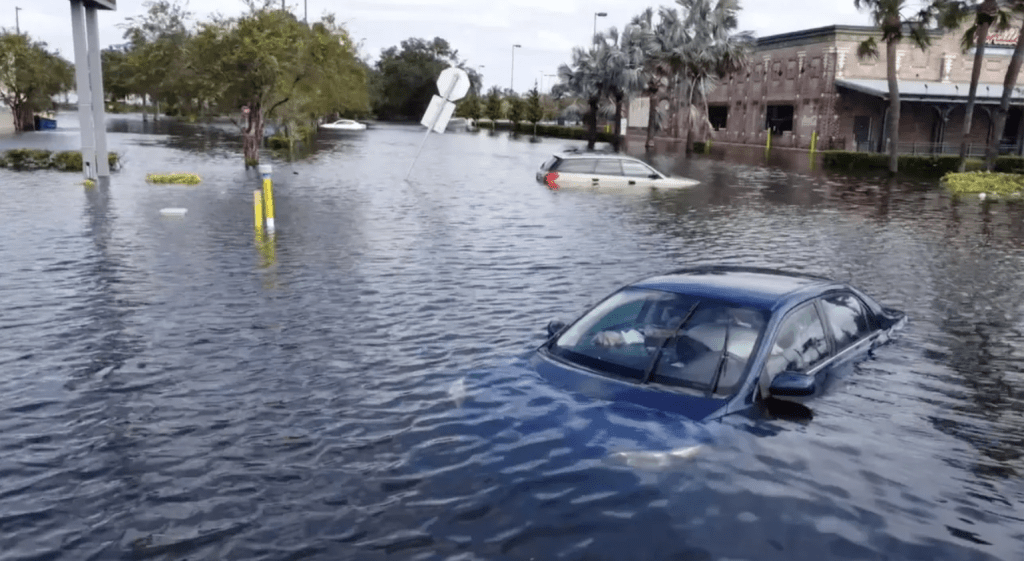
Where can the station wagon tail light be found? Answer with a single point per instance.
(550, 178)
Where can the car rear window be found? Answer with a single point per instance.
(576, 165)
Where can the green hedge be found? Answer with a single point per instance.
(553, 131)
(1006, 184)
(1010, 164)
(23, 159)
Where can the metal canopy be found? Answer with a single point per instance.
(952, 92)
(101, 4)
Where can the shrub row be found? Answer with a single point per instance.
(918, 165)
(30, 159)
(553, 131)
(1005, 184)
(178, 178)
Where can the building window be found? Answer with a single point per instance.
(779, 118)
(719, 116)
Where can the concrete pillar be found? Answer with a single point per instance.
(85, 114)
(99, 116)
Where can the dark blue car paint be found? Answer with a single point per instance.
(776, 291)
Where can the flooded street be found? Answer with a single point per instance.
(354, 389)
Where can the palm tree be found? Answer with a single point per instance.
(661, 63)
(986, 14)
(1009, 83)
(713, 51)
(887, 15)
(585, 79)
(620, 59)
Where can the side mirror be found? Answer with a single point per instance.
(554, 326)
(792, 384)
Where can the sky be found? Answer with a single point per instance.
(484, 32)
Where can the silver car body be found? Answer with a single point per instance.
(595, 169)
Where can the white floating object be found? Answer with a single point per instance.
(173, 211)
(981, 196)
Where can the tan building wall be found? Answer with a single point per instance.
(799, 70)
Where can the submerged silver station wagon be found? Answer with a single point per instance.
(597, 169)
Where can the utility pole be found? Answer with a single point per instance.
(17, 24)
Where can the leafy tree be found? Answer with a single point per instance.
(493, 109)
(267, 61)
(516, 110)
(30, 75)
(408, 76)
(469, 107)
(534, 109)
(887, 15)
(156, 53)
(116, 83)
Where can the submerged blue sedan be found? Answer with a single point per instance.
(710, 341)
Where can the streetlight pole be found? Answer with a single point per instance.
(596, 15)
(512, 79)
(17, 24)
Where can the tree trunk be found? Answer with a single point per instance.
(145, 116)
(618, 122)
(252, 136)
(652, 119)
(1004, 102)
(592, 124)
(689, 119)
(979, 59)
(24, 120)
(894, 107)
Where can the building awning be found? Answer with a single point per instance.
(933, 92)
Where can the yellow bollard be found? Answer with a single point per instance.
(768, 143)
(814, 142)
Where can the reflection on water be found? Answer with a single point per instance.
(353, 387)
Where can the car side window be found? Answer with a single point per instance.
(635, 169)
(800, 343)
(579, 165)
(847, 317)
(608, 167)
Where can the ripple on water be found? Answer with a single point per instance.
(353, 388)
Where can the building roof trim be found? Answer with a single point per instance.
(827, 31)
(955, 92)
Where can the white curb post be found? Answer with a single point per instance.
(268, 195)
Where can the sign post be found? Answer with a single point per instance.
(452, 84)
(89, 85)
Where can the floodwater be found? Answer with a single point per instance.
(178, 388)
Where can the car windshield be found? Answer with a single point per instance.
(697, 344)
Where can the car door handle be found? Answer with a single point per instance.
(631, 182)
(594, 179)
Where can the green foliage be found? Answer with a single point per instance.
(933, 166)
(24, 159)
(68, 161)
(469, 107)
(1004, 184)
(534, 109)
(1010, 164)
(406, 77)
(493, 110)
(516, 109)
(178, 178)
(30, 75)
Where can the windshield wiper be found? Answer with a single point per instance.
(661, 346)
(721, 361)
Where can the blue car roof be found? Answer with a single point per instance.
(766, 289)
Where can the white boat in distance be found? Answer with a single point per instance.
(344, 125)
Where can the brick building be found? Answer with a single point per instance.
(812, 80)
